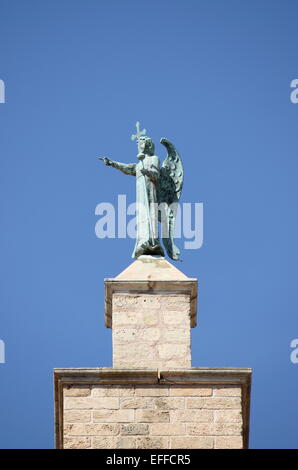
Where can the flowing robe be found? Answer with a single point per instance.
(147, 239)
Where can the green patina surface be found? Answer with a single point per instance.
(158, 190)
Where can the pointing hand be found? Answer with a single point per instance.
(106, 161)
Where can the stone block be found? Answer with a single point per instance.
(173, 350)
(77, 416)
(227, 416)
(135, 429)
(175, 318)
(136, 402)
(191, 416)
(152, 391)
(150, 334)
(77, 443)
(214, 403)
(174, 334)
(77, 391)
(228, 442)
(91, 403)
(233, 391)
(124, 334)
(169, 403)
(127, 442)
(151, 416)
(167, 429)
(103, 442)
(228, 429)
(151, 442)
(200, 442)
(190, 391)
(91, 429)
(113, 416)
(105, 391)
(200, 429)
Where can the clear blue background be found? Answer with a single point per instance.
(213, 77)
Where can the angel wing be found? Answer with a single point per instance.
(169, 192)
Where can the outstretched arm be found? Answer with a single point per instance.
(127, 168)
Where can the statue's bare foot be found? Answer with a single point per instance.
(146, 248)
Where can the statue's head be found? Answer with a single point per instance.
(146, 145)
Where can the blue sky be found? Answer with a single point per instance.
(211, 76)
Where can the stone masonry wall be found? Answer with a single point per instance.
(152, 416)
(151, 330)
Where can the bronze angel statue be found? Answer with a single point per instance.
(158, 190)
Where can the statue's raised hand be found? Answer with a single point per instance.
(106, 161)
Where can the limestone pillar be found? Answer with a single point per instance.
(151, 307)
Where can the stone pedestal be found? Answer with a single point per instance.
(111, 408)
(152, 398)
(151, 307)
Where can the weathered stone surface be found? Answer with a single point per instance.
(91, 429)
(137, 363)
(200, 429)
(190, 391)
(169, 403)
(136, 402)
(174, 334)
(76, 391)
(151, 416)
(227, 429)
(155, 326)
(123, 319)
(115, 416)
(151, 443)
(77, 443)
(125, 334)
(214, 403)
(174, 317)
(126, 442)
(228, 442)
(174, 363)
(148, 268)
(150, 317)
(135, 429)
(91, 403)
(200, 442)
(175, 300)
(104, 442)
(134, 351)
(105, 391)
(214, 429)
(228, 416)
(232, 391)
(173, 350)
(77, 416)
(167, 429)
(150, 334)
(192, 416)
(126, 391)
(152, 391)
(146, 289)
